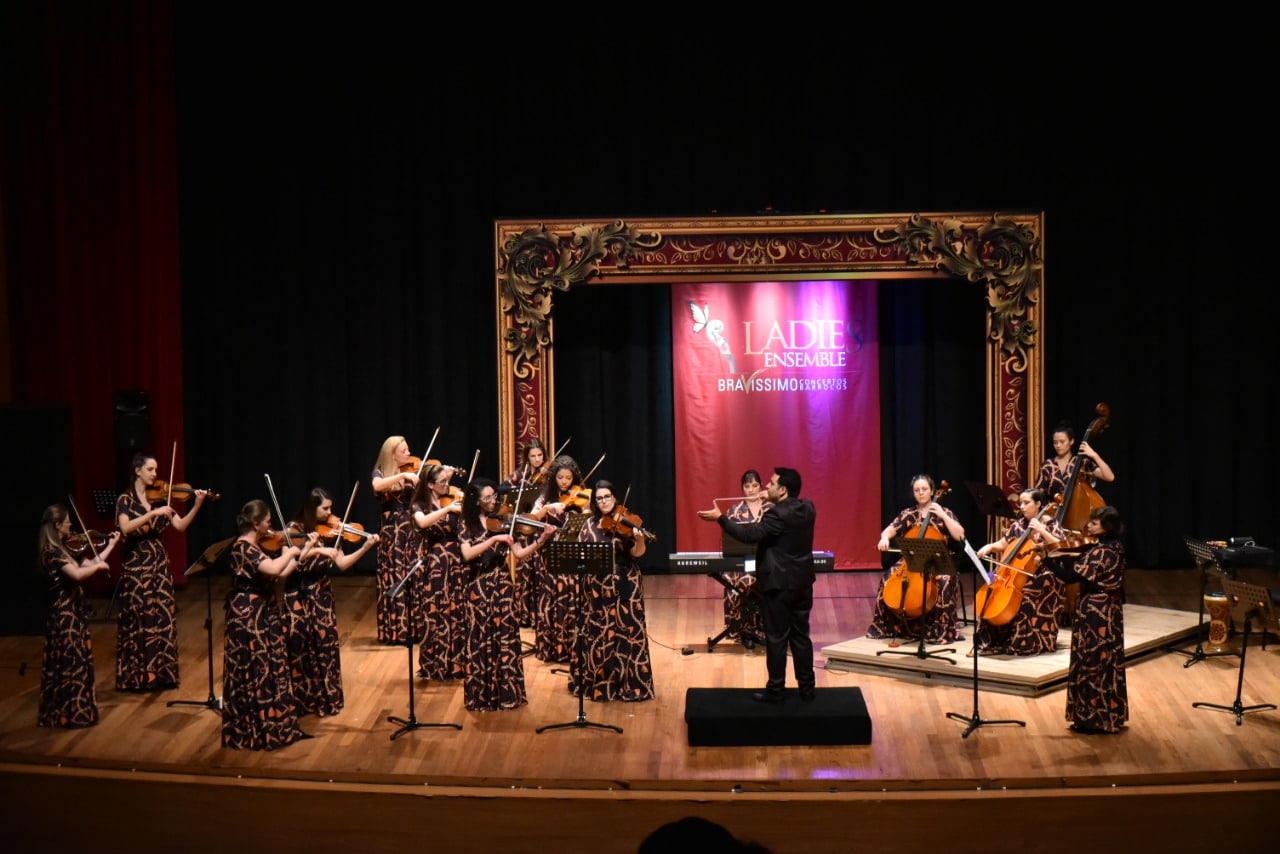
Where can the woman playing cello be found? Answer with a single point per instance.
(888, 622)
(1023, 621)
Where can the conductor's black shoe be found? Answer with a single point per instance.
(808, 694)
(767, 697)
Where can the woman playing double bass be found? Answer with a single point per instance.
(887, 622)
(1019, 609)
(1052, 479)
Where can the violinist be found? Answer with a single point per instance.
(611, 660)
(394, 478)
(1052, 478)
(308, 597)
(259, 711)
(1097, 692)
(1033, 628)
(741, 610)
(528, 480)
(146, 634)
(437, 593)
(941, 618)
(555, 612)
(67, 694)
(494, 661)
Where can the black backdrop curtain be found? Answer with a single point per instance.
(337, 191)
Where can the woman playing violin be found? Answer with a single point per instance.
(1052, 478)
(259, 711)
(308, 598)
(555, 607)
(437, 593)
(741, 610)
(146, 635)
(1033, 629)
(529, 480)
(393, 486)
(941, 618)
(1097, 692)
(494, 660)
(67, 694)
(611, 658)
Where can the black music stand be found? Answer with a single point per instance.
(929, 558)
(1203, 553)
(205, 563)
(990, 499)
(975, 720)
(412, 721)
(1249, 602)
(579, 559)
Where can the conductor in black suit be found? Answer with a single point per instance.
(784, 577)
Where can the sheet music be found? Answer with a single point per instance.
(977, 562)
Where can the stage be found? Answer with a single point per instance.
(499, 784)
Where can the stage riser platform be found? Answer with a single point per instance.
(729, 717)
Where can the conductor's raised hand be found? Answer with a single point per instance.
(710, 515)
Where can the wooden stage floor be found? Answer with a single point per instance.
(497, 783)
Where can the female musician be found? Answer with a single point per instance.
(610, 660)
(146, 635)
(259, 711)
(1097, 693)
(393, 487)
(1033, 629)
(1052, 479)
(441, 582)
(314, 662)
(556, 611)
(740, 611)
(494, 660)
(67, 694)
(528, 480)
(941, 619)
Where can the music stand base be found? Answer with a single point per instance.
(1198, 654)
(213, 703)
(921, 653)
(974, 722)
(1236, 709)
(406, 725)
(580, 723)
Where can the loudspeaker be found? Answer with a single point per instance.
(133, 429)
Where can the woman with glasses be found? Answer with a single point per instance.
(494, 677)
(439, 585)
(611, 660)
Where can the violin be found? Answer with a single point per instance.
(352, 532)
(576, 496)
(625, 525)
(169, 493)
(501, 522)
(905, 591)
(274, 541)
(416, 466)
(413, 464)
(89, 542)
(998, 602)
(453, 496)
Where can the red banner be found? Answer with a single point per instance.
(779, 374)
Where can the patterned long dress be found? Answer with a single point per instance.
(315, 665)
(399, 618)
(146, 632)
(742, 609)
(611, 659)
(494, 661)
(941, 619)
(557, 611)
(67, 697)
(258, 708)
(442, 655)
(1052, 482)
(1033, 629)
(1097, 693)
(527, 572)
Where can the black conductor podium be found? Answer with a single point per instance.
(930, 559)
(569, 557)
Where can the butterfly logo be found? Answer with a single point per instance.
(714, 327)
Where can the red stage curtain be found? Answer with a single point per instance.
(780, 374)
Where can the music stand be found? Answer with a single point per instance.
(579, 559)
(1203, 553)
(990, 499)
(929, 558)
(205, 564)
(412, 721)
(1249, 602)
(975, 720)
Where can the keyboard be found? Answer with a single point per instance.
(704, 562)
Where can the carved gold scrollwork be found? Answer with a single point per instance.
(537, 261)
(1002, 254)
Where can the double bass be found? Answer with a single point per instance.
(1080, 498)
(905, 592)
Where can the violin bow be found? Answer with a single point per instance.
(586, 477)
(173, 461)
(560, 450)
(88, 539)
(276, 503)
(515, 508)
(474, 461)
(350, 501)
(426, 456)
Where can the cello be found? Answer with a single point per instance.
(997, 602)
(905, 592)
